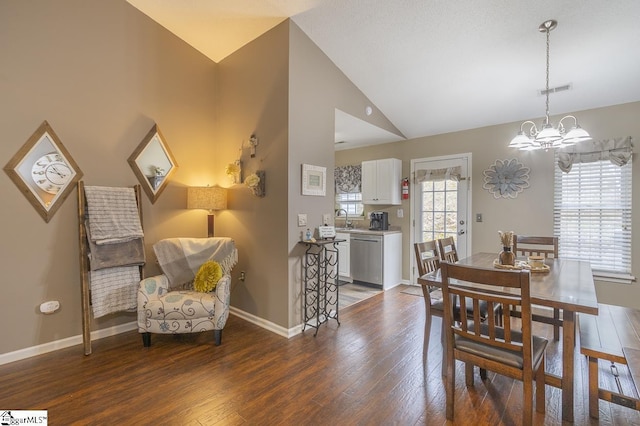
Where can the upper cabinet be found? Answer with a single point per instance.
(381, 180)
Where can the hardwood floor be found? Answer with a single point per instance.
(367, 371)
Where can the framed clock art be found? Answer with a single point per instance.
(44, 171)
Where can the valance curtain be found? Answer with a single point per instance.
(348, 179)
(618, 151)
(450, 173)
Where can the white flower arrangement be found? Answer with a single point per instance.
(233, 171)
(255, 182)
(252, 181)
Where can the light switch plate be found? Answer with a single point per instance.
(400, 213)
(326, 219)
(302, 219)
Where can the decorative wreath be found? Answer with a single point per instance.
(506, 178)
(207, 277)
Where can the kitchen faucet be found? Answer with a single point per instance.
(347, 224)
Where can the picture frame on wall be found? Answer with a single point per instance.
(314, 180)
(44, 171)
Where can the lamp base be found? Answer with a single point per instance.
(210, 225)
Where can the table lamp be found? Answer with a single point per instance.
(209, 198)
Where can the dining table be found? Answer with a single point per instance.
(567, 285)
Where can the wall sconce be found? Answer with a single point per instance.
(209, 198)
(253, 143)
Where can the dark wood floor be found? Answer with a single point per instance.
(368, 371)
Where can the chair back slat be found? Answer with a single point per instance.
(427, 258)
(535, 246)
(447, 250)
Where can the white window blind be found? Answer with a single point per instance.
(352, 203)
(592, 215)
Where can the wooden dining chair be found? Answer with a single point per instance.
(427, 260)
(447, 250)
(525, 246)
(513, 353)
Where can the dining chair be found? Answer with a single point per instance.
(447, 250)
(427, 260)
(525, 246)
(506, 351)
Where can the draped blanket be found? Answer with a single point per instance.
(180, 258)
(114, 289)
(116, 247)
(113, 214)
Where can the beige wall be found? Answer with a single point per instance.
(101, 73)
(253, 88)
(532, 211)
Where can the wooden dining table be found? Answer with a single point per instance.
(567, 285)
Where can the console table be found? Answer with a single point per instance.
(320, 282)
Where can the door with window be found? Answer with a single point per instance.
(441, 201)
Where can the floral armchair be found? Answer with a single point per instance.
(167, 304)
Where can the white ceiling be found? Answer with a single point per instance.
(437, 66)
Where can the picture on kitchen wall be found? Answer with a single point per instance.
(314, 180)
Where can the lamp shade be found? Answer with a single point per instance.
(207, 198)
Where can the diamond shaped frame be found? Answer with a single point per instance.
(46, 195)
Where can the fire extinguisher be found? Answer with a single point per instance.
(405, 189)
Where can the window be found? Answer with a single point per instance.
(439, 215)
(351, 202)
(592, 216)
(348, 180)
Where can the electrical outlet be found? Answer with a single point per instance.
(326, 219)
(400, 213)
(302, 219)
(49, 307)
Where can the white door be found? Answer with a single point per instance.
(441, 201)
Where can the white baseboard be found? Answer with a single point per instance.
(267, 325)
(123, 328)
(65, 343)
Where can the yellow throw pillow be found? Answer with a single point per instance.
(208, 276)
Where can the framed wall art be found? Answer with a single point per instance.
(44, 171)
(314, 180)
(153, 163)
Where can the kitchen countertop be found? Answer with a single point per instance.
(367, 231)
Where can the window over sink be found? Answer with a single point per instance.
(348, 188)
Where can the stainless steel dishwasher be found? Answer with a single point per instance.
(366, 258)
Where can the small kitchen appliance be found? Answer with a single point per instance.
(379, 221)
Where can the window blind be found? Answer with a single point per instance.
(592, 215)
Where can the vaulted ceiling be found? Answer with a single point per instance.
(437, 66)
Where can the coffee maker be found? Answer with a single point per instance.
(379, 221)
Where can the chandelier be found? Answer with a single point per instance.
(530, 138)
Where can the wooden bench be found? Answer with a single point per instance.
(612, 335)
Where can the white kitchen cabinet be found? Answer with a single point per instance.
(381, 181)
(344, 256)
